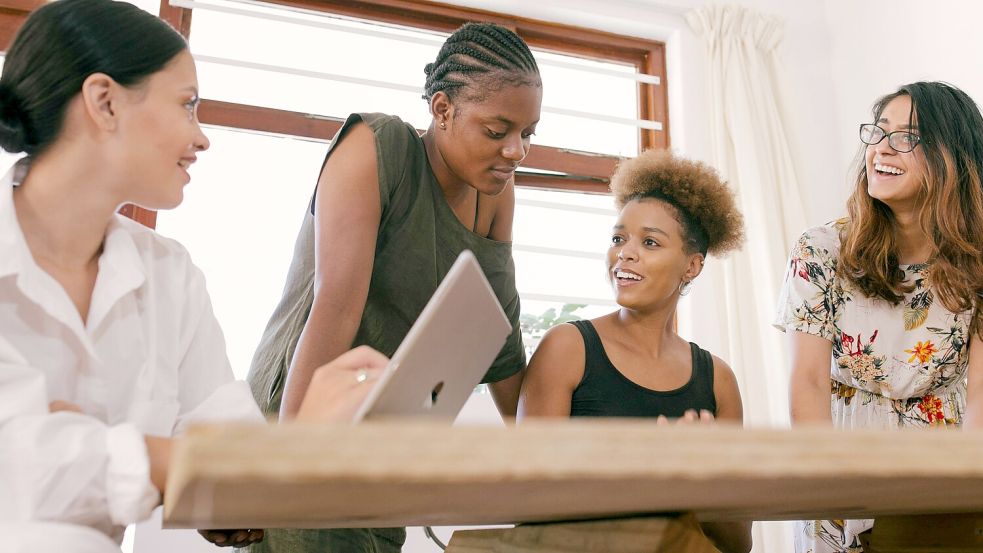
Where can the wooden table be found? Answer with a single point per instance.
(415, 474)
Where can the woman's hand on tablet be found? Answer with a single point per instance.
(338, 388)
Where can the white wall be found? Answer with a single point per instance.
(878, 45)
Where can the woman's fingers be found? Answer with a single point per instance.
(338, 388)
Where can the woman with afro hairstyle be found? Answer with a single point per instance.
(882, 308)
(632, 363)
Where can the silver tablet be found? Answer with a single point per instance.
(447, 351)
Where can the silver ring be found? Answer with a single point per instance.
(361, 376)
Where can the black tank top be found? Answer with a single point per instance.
(605, 392)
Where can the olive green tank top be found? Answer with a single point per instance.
(419, 239)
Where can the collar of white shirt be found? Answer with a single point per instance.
(121, 269)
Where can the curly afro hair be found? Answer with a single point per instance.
(703, 204)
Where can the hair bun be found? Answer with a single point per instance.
(13, 134)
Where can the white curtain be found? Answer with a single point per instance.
(751, 151)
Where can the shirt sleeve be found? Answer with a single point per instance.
(65, 466)
(806, 303)
(207, 388)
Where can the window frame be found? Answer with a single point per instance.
(578, 171)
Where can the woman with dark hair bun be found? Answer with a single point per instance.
(391, 212)
(108, 344)
(882, 308)
(59, 48)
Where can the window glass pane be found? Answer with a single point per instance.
(594, 201)
(564, 220)
(300, 41)
(313, 42)
(539, 316)
(299, 44)
(551, 221)
(558, 222)
(306, 94)
(583, 90)
(239, 220)
(557, 275)
(150, 6)
(574, 133)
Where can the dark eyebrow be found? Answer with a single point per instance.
(900, 127)
(509, 122)
(656, 230)
(653, 230)
(501, 119)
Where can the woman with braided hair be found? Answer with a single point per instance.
(391, 212)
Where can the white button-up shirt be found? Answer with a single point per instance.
(150, 359)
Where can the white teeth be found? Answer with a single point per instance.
(623, 274)
(888, 169)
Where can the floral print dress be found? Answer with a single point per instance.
(893, 366)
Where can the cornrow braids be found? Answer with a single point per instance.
(506, 37)
(477, 50)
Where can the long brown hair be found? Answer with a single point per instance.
(950, 213)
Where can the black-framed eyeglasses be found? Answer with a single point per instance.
(900, 141)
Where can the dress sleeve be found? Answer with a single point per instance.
(807, 300)
(65, 466)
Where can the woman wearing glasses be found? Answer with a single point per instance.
(881, 308)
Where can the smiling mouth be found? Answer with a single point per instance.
(627, 278)
(888, 170)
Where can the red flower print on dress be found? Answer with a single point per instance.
(860, 348)
(931, 407)
(799, 268)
